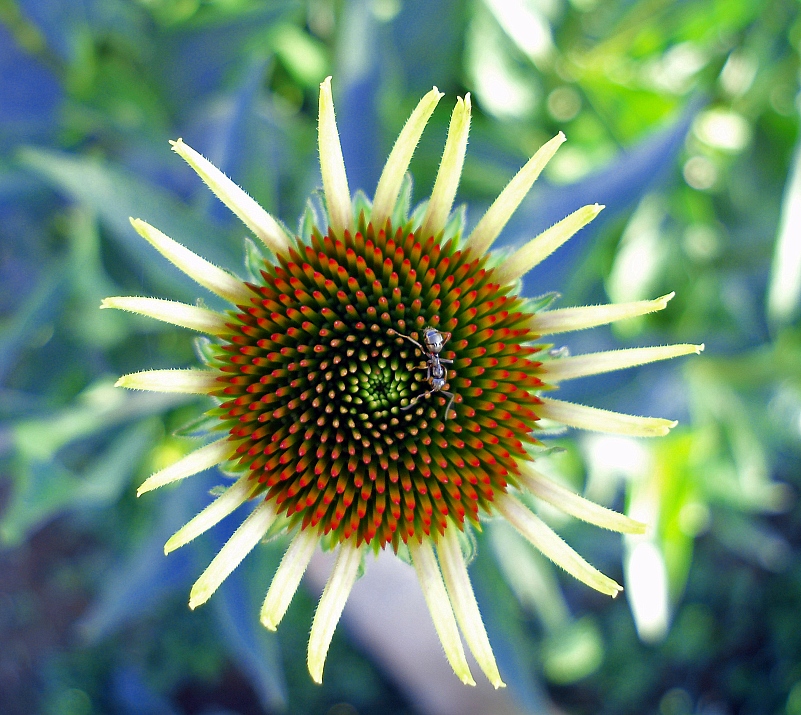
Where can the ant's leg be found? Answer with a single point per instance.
(450, 402)
(450, 335)
(392, 331)
(414, 400)
(445, 360)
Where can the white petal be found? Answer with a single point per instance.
(591, 418)
(386, 193)
(190, 381)
(567, 319)
(170, 311)
(193, 463)
(450, 170)
(198, 269)
(287, 577)
(569, 368)
(539, 248)
(460, 591)
(247, 209)
(332, 603)
(492, 223)
(439, 606)
(575, 505)
(241, 543)
(551, 545)
(232, 498)
(332, 165)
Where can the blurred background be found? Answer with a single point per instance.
(681, 117)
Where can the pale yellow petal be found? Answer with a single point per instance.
(450, 170)
(569, 368)
(439, 606)
(539, 248)
(565, 320)
(497, 216)
(287, 577)
(189, 381)
(170, 311)
(232, 498)
(332, 603)
(193, 463)
(198, 269)
(463, 600)
(594, 419)
(551, 545)
(389, 185)
(264, 226)
(332, 165)
(241, 543)
(571, 503)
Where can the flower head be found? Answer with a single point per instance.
(380, 384)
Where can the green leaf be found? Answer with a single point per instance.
(45, 488)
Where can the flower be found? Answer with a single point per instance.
(380, 385)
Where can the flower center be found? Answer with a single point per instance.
(336, 397)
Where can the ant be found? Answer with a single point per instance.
(436, 374)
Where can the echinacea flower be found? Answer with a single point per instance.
(380, 385)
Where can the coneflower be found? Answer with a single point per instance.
(380, 385)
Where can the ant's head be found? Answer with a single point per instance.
(433, 340)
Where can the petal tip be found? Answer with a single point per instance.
(268, 624)
(665, 429)
(198, 596)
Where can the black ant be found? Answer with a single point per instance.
(436, 374)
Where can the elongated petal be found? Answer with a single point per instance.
(569, 368)
(575, 505)
(439, 606)
(539, 248)
(332, 603)
(264, 226)
(591, 418)
(170, 311)
(198, 269)
(551, 545)
(332, 165)
(232, 498)
(386, 193)
(241, 543)
(287, 577)
(450, 170)
(565, 320)
(193, 463)
(190, 381)
(460, 592)
(492, 223)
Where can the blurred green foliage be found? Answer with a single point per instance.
(682, 116)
